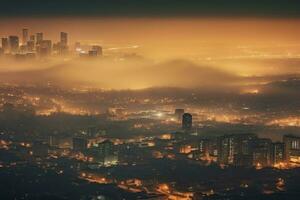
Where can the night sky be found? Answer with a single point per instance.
(151, 8)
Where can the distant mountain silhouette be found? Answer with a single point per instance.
(175, 73)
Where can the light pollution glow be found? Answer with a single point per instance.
(230, 47)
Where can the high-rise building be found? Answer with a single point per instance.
(236, 149)
(106, 153)
(25, 34)
(292, 149)
(262, 152)
(39, 38)
(5, 45)
(277, 153)
(32, 38)
(187, 121)
(62, 46)
(14, 43)
(243, 149)
(79, 144)
(178, 114)
(244, 143)
(226, 150)
(106, 147)
(30, 45)
(203, 147)
(64, 39)
(44, 48)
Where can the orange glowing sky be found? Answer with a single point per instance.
(240, 46)
(165, 33)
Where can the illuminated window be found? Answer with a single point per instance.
(295, 144)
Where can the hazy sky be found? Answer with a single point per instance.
(186, 33)
(233, 38)
(238, 46)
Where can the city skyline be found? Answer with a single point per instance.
(202, 50)
(36, 44)
(150, 100)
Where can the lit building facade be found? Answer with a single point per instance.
(104, 153)
(25, 35)
(5, 44)
(39, 38)
(236, 149)
(262, 152)
(14, 44)
(277, 153)
(292, 149)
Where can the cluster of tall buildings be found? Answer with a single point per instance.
(244, 149)
(98, 153)
(32, 45)
(291, 148)
(248, 150)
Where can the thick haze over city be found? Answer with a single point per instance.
(248, 48)
(149, 99)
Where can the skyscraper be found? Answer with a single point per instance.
(24, 36)
(262, 152)
(14, 43)
(30, 46)
(32, 38)
(236, 149)
(292, 149)
(203, 147)
(39, 38)
(104, 153)
(277, 153)
(45, 48)
(64, 39)
(243, 149)
(5, 45)
(226, 150)
(62, 46)
(187, 121)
